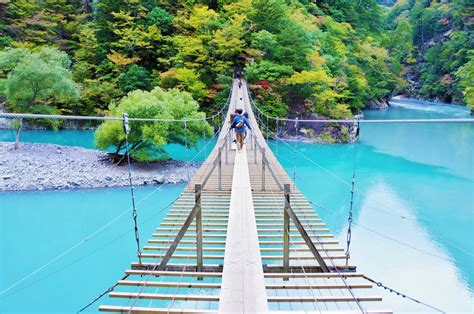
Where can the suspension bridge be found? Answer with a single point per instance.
(241, 238)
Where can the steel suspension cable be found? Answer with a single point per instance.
(381, 285)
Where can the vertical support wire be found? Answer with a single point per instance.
(263, 169)
(204, 137)
(126, 128)
(276, 136)
(295, 151)
(255, 147)
(187, 147)
(219, 168)
(351, 205)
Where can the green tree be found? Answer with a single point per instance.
(267, 70)
(161, 19)
(147, 139)
(136, 77)
(465, 76)
(184, 79)
(38, 82)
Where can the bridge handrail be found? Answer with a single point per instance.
(267, 162)
(217, 159)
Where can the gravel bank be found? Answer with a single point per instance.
(50, 166)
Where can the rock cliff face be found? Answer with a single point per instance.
(377, 104)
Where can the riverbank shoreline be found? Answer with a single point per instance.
(37, 167)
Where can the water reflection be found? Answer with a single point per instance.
(414, 205)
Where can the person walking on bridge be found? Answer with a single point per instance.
(238, 123)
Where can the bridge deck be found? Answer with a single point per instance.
(243, 234)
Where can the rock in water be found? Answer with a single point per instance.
(377, 104)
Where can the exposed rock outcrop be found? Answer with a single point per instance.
(377, 104)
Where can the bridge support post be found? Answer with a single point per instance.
(307, 239)
(198, 190)
(263, 169)
(286, 232)
(226, 153)
(219, 168)
(255, 149)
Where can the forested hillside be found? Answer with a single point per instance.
(432, 43)
(329, 57)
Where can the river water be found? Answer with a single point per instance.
(413, 224)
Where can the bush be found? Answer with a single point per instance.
(146, 139)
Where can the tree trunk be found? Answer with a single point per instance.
(17, 137)
(115, 156)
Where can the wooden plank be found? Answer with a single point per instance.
(335, 312)
(302, 249)
(185, 267)
(274, 216)
(298, 257)
(278, 224)
(296, 236)
(183, 256)
(207, 229)
(313, 275)
(313, 230)
(318, 242)
(185, 248)
(207, 225)
(162, 296)
(323, 298)
(172, 273)
(317, 286)
(171, 236)
(182, 218)
(148, 310)
(137, 283)
(187, 242)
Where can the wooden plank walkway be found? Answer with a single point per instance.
(240, 223)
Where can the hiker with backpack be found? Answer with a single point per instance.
(238, 123)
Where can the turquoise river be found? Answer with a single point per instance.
(413, 216)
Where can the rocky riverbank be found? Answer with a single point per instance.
(50, 166)
(319, 132)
